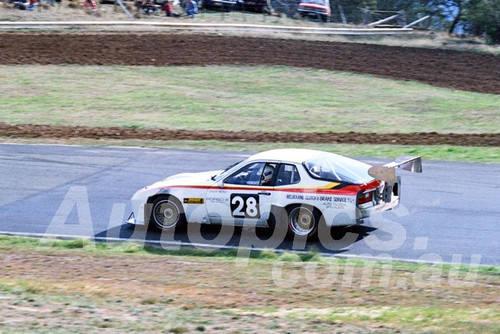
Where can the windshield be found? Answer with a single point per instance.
(224, 172)
(316, 2)
(333, 167)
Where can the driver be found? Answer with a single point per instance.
(267, 175)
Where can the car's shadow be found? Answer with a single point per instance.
(329, 240)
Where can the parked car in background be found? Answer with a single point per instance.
(319, 9)
(259, 6)
(225, 5)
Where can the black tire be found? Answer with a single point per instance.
(303, 220)
(167, 213)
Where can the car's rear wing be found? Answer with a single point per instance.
(387, 172)
(411, 164)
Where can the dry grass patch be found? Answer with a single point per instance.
(47, 287)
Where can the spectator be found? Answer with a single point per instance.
(150, 8)
(25, 4)
(191, 8)
(139, 4)
(169, 9)
(90, 5)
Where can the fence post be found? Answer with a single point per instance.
(401, 18)
(367, 16)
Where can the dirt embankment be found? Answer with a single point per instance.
(477, 72)
(423, 138)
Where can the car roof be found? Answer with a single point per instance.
(294, 155)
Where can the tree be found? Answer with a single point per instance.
(459, 5)
(448, 12)
(476, 17)
(483, 17)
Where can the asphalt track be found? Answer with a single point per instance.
(450, 213)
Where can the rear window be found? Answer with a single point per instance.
(333, 167)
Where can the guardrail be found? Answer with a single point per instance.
(208, 27)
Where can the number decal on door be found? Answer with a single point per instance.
(245, 206)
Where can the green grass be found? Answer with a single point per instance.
(237, 98)
(425, 317)
(263, 98)
(435, 152)
(86, 246)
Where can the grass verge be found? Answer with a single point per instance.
(253, 98)
(238, 98)
(77, 285)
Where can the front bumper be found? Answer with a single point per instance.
(306, 11)
(131, 219)
(139, 203)
(137, 217)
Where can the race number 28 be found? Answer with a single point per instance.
(245, 206)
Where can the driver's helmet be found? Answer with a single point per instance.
(267, 175)
(315, 170)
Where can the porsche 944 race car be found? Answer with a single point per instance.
(309, 186)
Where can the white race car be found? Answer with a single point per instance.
(309, 186)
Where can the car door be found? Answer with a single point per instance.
(244, 197)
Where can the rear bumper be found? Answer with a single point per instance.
(387, 198)
(381, 207)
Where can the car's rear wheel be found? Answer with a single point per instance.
(302, 220)
(167, 213)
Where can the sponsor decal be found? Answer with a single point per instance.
(319, 198)
(193, 200)
(216, 191)
(337, 206)
(217, 200)
(301, 197)
(336, 202)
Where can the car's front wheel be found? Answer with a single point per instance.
(302, 220)
(167, 213)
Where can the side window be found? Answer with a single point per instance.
(248, 175)
(287, 174)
